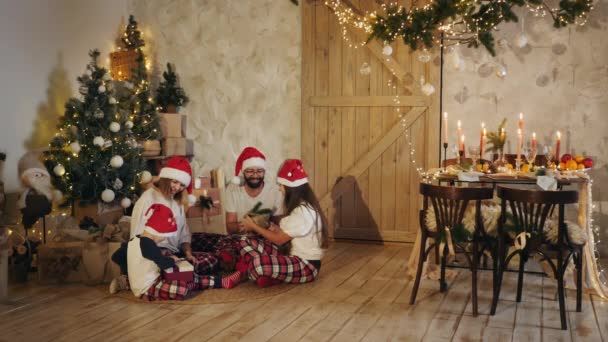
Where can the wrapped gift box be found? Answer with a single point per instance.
(101, 213)
(178, 146)
(202, 182)
(197, 210)
(183, 271)
(173, 125)
(61, 262)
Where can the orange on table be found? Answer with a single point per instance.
(562, 166)
(581, 166)
(571, 165)
(478, 167)
(510, 166)
(486, 167)
(579, 159)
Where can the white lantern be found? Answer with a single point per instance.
(125, 203)
(59, 170)
(116, 162)
(114, 127)
(107, 195)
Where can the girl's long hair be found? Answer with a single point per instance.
(303, 194)
(164, 186)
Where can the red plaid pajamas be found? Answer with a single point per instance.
(177, 289)
(214, 245)
(263, 259)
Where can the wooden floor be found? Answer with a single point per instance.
(362, 294)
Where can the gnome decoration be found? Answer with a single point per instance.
(36, 200)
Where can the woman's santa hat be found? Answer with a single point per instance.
(178, 168)
(160, 221)
(292, 173)
(250, 157)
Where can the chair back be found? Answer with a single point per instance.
(530, 208)
(449, 203)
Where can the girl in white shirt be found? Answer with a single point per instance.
(304, 226)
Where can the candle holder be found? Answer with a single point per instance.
(445, 156)
(518, 164)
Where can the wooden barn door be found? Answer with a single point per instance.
(354, 143)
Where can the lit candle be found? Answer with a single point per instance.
(534, 142)
(519, 141)
(559, 140)
(521, 121)
(483, 144)
(459, 134)
(462, 145)
(445, 127)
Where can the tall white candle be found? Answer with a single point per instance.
(445, 127)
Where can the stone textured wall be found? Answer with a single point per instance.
(559, 81)
(239, 62)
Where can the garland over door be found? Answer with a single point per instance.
(357, 128)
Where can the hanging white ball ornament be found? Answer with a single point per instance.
(107, 195)
(59, 170)
(387, 50)
(125, 202)
(365, 69)
(145, 177)
(129, 124)
(101, 88)
(98, 141)
(75, 147)
(116, 162)
(114, 127)
(112, 100)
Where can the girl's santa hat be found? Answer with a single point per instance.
(160, 221)
(178, 168)
(292, 173)
(250, 157)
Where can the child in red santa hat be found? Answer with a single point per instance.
(304, 225)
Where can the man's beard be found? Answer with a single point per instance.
(254, 183)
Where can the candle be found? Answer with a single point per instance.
(459, 135)
(519, 142)
(462, 145)
(481, 139)
(482, 149)
(445, 127)
(534, 142)
(559, 139)
(521, 121)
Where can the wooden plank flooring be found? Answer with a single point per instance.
(361, 295)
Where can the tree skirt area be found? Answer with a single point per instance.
(242, 292)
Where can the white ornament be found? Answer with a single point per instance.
(101, 88)
(75, 147)
(424, 56)
(145, 177)
(98, 114)
(107, 76)
(112, 100)
(116, 162)
(89, 72)
(365, 69)
(107, 195)
(117, 184)
(125, 203)
(387, 50)
(129, 124)
(59, 170)
(98, 141)
(521, 40)
(500, 70)
(114, 127)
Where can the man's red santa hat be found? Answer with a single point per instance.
(160, 221)
(292, 173)
(250, 157)
(178, 168)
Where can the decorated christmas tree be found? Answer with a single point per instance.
(95, 155)
(169, 92)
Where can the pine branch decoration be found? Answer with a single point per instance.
(496, 140)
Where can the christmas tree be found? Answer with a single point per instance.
(169, 93)
(144, 111)
(95, 154)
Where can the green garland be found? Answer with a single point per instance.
(470, 22)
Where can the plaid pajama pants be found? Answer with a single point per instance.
(177, 289)
(263, 259)
(209, 246)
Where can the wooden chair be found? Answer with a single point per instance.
(449, 205)
(530, 210)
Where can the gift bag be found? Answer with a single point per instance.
(95, 261)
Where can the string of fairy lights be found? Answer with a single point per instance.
(453, 34)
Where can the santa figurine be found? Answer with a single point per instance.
(36, 200)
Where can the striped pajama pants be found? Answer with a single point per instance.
(262, 258)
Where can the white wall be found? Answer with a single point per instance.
(44, 47)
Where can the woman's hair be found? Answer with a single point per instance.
(303, 194)
(164, 186)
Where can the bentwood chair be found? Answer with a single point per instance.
(530, 211)
(449, 203)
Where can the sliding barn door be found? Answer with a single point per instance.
(355, 143)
